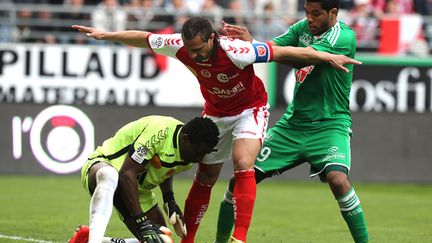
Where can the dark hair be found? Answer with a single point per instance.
(197, 26)
(327, 5)
(200, 130)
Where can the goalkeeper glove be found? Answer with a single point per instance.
(175, 215)
(149, 232)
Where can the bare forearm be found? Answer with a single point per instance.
(299, 54)
(129, 191)
(294, 64)
(129, 37)
(167, 185)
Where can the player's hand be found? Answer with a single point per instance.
(150, 232)
(338, 62)
(175, 215)
(235, 31)
(90, 31)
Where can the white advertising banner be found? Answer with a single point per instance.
(94, 75)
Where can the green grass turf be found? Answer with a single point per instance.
(49, 208)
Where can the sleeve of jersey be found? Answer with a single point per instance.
(165, 44)
(286, 39)
(244, 53)
(143, 148)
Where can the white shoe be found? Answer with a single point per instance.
(234, 240)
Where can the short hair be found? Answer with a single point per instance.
(197, 26)
(327, 5)
(201, 129)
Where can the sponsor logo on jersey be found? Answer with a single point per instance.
(302, 73)
(223, 78)
(157, 42)
(139, 154)
(206, 73)
(305, 39)
(228, 93)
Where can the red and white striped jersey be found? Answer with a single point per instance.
(227, 80)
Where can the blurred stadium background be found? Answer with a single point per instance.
(61, 93)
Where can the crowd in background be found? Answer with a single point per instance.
(265, 18)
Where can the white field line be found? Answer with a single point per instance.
(26, 239)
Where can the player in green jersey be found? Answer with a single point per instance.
(139, 157)
(316, 127)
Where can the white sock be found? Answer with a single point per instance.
(101, 203)
(119, 240)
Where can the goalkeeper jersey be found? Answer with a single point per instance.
(151, 138)
(321, 93)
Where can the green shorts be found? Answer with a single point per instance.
(323, 148)
(147, 197)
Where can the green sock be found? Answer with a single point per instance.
(225, 221)
(352, 212)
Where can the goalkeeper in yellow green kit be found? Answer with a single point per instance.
(139, 157)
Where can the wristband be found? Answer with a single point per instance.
(140, 218)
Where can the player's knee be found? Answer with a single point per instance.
(338, 182)
(207, 174)
(107, 177)
(244, 164)
(206, 180)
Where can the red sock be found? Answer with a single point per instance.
(195, 206)
(244, 194)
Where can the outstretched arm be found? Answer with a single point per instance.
(130, 37)
(310, 56)
(293, 56)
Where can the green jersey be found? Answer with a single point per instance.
(321, 93)
(151, 138)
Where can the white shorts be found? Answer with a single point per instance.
(251, 123)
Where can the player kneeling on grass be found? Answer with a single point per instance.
(140, 156)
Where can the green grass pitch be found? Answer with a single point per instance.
(48, 209)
